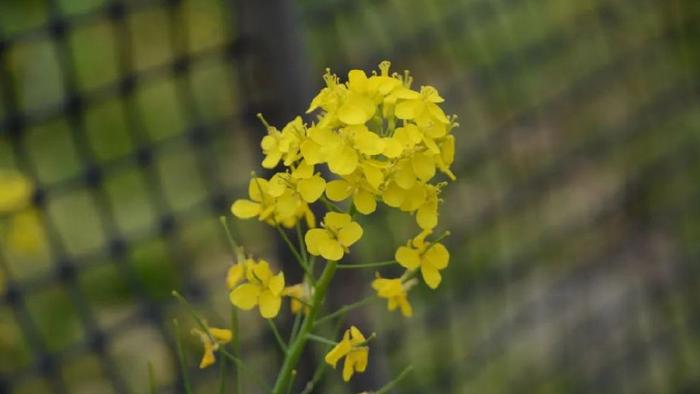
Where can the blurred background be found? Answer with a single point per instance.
(575, 217)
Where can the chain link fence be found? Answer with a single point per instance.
(575, 217)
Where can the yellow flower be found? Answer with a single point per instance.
(300, 295)
(431, 258)
(15, 191)
(423, 108)
(285, 145)
(263, 289)
(211, 342)
(274, 202)
(395, 292)
(332, 241)
(351, 347)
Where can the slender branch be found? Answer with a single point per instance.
(278, 337)
(236, 349)
(295, 327)
(385, 389)
(321, 340)
(296, 254)
(330, 205)
(291, 381)
(151, 379)
(366, 265)
(240, 364)
(344, 309)
(322, 366)
(181, 358)
(300, 238)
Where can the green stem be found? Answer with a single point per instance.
(331, 206)
(236, 349)
(394, 382)
(278, 337)
(181, 358)
(302, 262)
(366, 265)
(300, 237)
(344, 309)
(322, 340)
(297, 347)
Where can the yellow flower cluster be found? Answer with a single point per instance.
(374, 140)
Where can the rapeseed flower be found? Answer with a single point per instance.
(353, 348)
(212, 340)
(431, 258)
(396, 294)
(300, 297)
(332, 241)
(263, 289)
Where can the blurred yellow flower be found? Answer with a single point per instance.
(351, 347)
(395, 292)
(263, 289)
(300, 295)
(332, 241)
(15, 191)
(211, 342)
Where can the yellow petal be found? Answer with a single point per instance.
(348, 367)
(312, 188)
(447, 150)
(234, 275)
(393, 196)
(314, 238)
(262, 271)
(339, 351)
(361, 356)
(287, 205)
(414, 198)
(272, 159)
(364, 202)
(269, 304)
(392, 148)
(257, 188)
(405, 177)
(276, 284)
(221, 335)
(336, 220)
(431, 276)
(245, 296)
(373, 175)
(312, 152)
(423, 166)
(303, 171)
(208, 357)
(338, 190)
(349, 234)
(331, 249)
(357, 80)
(427, 217)
(368, 142)
(245, 209)
(407, 257)
(438, 256)
(405, 306)
(357, 110)
(344, 161)
(406, 109)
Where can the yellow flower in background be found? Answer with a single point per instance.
(300, 295)
(262, 289)
(431, 258)
(332, 241)
(25, 231)
(15, 191)
(396, 294)
(352, 348)
(211, 342)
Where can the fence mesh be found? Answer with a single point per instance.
(575, 216)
